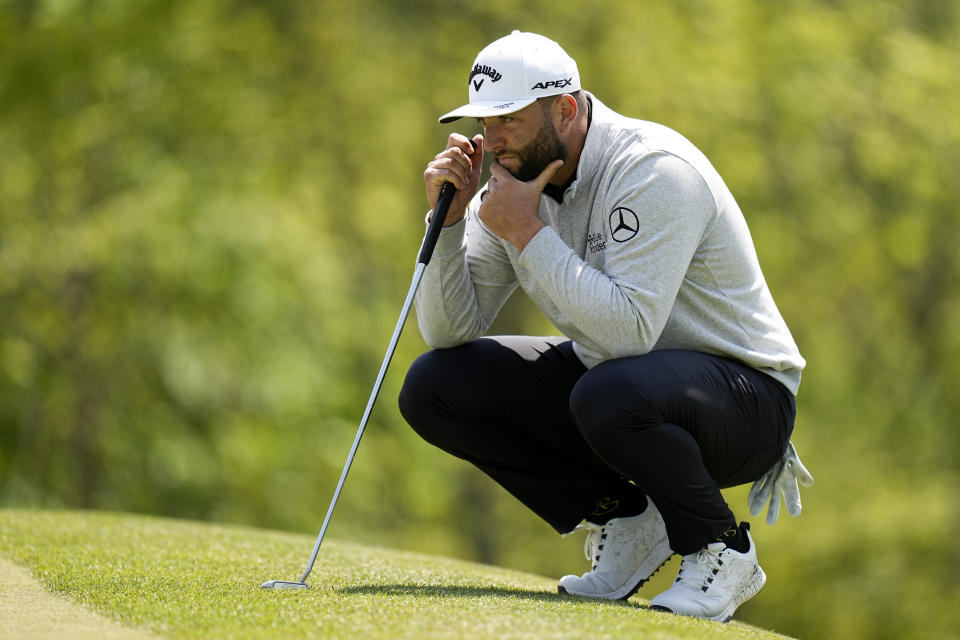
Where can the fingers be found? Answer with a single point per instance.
(498, 172)
(452, 165)
(459, 164)
(800, 471)
(456, 163)
(802, 474)
(477, 142)
(764, 491)
(547, 174)
(791, 497)
(759, 494)
(782, 478)
(774, 511)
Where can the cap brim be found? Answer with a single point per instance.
(486, 109)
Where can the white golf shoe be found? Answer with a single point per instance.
(624, 552)
(713, 582)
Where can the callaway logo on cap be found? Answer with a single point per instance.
(512, 72)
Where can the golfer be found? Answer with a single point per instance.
(676, 375)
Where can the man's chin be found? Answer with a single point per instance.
(520, 171)
(513, 167)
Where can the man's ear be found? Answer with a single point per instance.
(567, 106)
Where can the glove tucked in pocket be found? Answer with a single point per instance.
(781, 478)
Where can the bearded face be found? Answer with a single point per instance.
(533, 158)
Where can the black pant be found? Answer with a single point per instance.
(573, 444)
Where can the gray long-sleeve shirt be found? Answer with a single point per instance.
(648, 250)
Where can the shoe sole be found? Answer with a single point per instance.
(751, 589)
(633, 584)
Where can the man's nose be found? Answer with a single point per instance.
(492, 140)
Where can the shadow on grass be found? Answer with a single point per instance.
(432, 591)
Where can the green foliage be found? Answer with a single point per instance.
(184, 580)
(210, 210)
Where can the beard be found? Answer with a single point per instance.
(534, 158)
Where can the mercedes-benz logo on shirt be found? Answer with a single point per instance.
(624, 224)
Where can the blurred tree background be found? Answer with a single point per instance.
(210, 212)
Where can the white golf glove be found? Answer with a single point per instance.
(782, 477)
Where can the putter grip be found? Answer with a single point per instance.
(447, 191)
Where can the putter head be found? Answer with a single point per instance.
(283, 584)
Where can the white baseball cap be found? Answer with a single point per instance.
(512, 72)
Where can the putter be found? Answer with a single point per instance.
(447, 192)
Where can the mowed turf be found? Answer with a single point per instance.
(178, 579)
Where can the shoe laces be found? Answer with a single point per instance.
(699, 570)
(593, 545)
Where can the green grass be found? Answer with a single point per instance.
(181, 579)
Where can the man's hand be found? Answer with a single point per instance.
(511, 208)
(461, 165)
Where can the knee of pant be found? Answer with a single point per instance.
(416, 388)
(421, 396)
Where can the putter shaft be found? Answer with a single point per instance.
(447, 192)
(281, 584)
